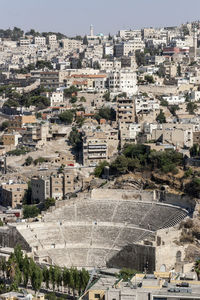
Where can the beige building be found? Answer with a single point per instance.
(56, 186)
(125, 110)
(21, 121)
(71, 45)
(178, 137)
(99, 146)
(11, 139)
(12, 194)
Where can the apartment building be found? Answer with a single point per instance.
(40, 41)
(49, 79)
(12, 194)
(129, 34)
(125, 110)
(56, 186)
(11, 139)
(61, 185)
(24, 42)
(22, 121)
(124, 80)
(129, 47)
(129, 132)
(52, 40)
(145, 105)
(40, 188)
(35, 133)
(57, 98)
(71, 44)
(99, 146)
(178, 137)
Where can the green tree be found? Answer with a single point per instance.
(100, 168)
(39, 161)
(30, 211)
(46, 276)
(4, 125)
(28, 161)
(82, 99)
(173, 109)
(140, 58)
(195, 150)
(191, 107)
(73, 99)
(193, 187)
(36, 278)
(127, 274)
(106, 113)
(106, 96)
(58, 277)
(49, 202)
(149, 79)
(26, 271)
(66, 278)
(161, 117)
(75, 139)
(52, 276)
(84, 278)
(120, 165)
(69, 92)
(18, 254)
(66, 117)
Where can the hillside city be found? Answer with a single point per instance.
(100, 164)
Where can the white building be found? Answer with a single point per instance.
(57, 98)
(143, 104)
(124, 80)
(126, 48)
(129, 132)
(174, 100)
(195, 95)
(40, 41)
(129, 34)
(108, 50)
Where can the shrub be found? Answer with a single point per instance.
(30, 211)
(39, 160)
(100, 168)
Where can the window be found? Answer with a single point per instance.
(97, 296)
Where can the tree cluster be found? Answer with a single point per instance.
(22, 270)
(106, 113)
(75, 139)
(66, 117)
(140, 158)
(32, 98)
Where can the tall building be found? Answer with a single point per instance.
(56, 186)
(125, 110)
(91, 30)
(195, 44)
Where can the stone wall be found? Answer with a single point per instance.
(134, 257)
(10, 237)
(158, 90)
(112, 194)
(183, 201)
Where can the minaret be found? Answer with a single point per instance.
(195, 43)
(91, 30)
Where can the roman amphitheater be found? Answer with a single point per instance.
(106, 228)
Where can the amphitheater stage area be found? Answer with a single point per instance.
(111, 229)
